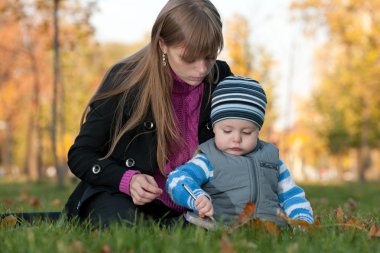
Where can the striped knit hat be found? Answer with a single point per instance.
(238, 97)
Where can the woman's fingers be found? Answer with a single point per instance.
(151, 185)
(144, 189)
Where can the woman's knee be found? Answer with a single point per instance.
(105, 208)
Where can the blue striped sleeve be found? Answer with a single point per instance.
(292, 197)
(194, 174)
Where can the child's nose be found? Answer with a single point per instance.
(237, 138)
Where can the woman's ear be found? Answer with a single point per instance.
(163, 47)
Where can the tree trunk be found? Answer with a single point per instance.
(364, 157)
(7, 148)
(33, 156)
(57, 165)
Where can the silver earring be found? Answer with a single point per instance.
(164, 59)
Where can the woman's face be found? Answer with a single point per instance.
(192, 72)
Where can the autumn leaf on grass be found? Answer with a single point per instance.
(340, 216)
(55, 202)
(106, 249)
(350, 221)
(245, 216)
(267, 226)
(77, 246)
(34, 201)
(374, 232)
(226, 245)
(317, 221)
(7, 201)
(294, 223)
(8, 221)
(351, 204)
(247, 213)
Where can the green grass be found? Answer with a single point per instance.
(355, 199)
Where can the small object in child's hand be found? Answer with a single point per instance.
(187, 188)
(189, 191)
(205, 222)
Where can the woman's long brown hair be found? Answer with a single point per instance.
(193, 24)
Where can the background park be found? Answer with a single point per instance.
(318, 61)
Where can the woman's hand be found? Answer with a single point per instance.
(144, 189)
(204, 206)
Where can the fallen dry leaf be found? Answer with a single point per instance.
(354, 221)
(34, 201)
(295, 223)
(350, 221)
(77, 246)
(317, 221)
(351, 204)
(7, 201)
(226, 245)
(106, 249)
(244, 217)
(8, 221)
(374, 232)
(340, 216)
(56, 202)
(267, 226)
(247, 213)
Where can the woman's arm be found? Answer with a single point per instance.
(93, 142)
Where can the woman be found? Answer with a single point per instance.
(147, 117)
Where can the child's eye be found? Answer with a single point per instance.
(247, 133)
(227, 131)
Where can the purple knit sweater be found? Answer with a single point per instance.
(186, 101)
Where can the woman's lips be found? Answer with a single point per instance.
(196, 79)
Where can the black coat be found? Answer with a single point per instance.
(93, 142)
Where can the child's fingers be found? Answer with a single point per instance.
(201, 202)
(207, 210)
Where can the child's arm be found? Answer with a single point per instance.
(292, 197)
(194, 173)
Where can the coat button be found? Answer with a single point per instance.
(96, 169)
(130, 162)
(208, 126)
(149, 125)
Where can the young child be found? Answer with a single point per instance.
(236, 167)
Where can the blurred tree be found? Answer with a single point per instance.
(25, 83)
(349, 65)
(254, 63)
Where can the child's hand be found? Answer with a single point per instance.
(204, 206)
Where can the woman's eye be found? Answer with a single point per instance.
(187, 60)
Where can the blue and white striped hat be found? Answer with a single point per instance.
(238, 97)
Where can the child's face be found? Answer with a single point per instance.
(236, 136)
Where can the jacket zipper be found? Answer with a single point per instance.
(257, 176)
